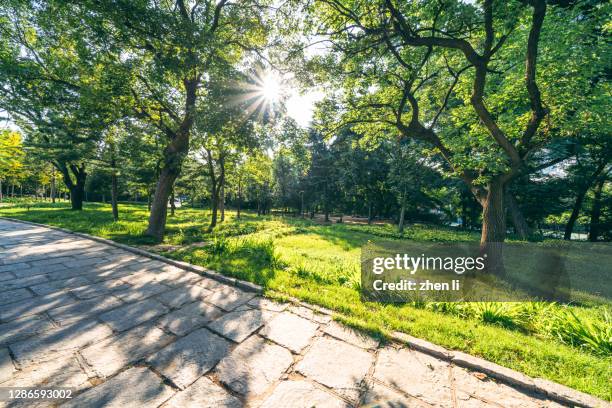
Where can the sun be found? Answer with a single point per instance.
(264, 94)
(270, 88)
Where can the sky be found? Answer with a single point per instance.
(300, 107)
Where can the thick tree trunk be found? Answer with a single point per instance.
(76, 186)
(114, 204)
(174, 154)
(594, 226)
(159, 204)
(77, 195)
(521, 227)
(493, 227)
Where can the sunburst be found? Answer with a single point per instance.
(263, 95)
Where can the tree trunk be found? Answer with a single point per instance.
(1, 190)
(76, 186)
(159, 204)
(172, 205)
(214, 203)
(53, 186)
(114, 192)
(493, 227)
(594, 226)
(325, 206)
(149, 199)
(400, 224)
(521, 228)
(239, 199)
(222, 203)
(569, 227)
(77, 195)
(174, 154)
(369, 213)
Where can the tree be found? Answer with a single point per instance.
(11, 158)
(425, 70)
(223, 132)
(172, 49)
(57, 88)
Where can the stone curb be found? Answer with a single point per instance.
(244, 285)
(554, 391)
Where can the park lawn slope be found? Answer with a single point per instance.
(320, 264)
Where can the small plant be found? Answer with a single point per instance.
(495, 313)
(219, 246)
(452, 308)
(591, 335)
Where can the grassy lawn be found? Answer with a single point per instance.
(320, 264)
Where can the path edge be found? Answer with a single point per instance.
(551, 390)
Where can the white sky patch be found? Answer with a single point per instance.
(300, 106)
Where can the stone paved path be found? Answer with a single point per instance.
(127, 331)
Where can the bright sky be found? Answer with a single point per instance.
(300, 107)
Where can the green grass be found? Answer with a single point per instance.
(320, 264)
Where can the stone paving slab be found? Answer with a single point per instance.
(253, 366)
(350, 336)
(302, 394)
(186, 294)
(7, 276)
(125, 330)
(58, 341)
(130, 315)
(189, 318)
(203, 394)
(190, 357)
(35, 305)
(291, 331)
(137, 387)
(84, 309)
(111, 355)
(65, 372)
(229, 298)
(417, 374)
(7, 368)
(11, 296)
(24, 327)
(337, 365)
(238, 325)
